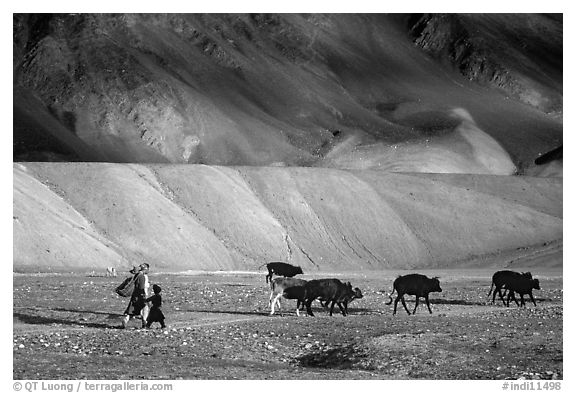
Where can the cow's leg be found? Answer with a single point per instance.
(404, 304)
(396, 304)
(416, 306)
(532, 298)
(275, 302)
(298, 307)
(344, 313)
(279, 303)
(428, 303)
(513, 297)
(272, 303)
(501, 295)
(332, 307)
(308, 307)
(496, 289)
(522, 302)
(505, 292)
(270, 300)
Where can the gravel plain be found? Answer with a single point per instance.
(66, 326)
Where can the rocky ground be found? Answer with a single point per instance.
(66, 326)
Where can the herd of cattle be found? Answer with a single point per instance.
(331, 291)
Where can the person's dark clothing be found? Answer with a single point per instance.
(138, 298)
(156, 314)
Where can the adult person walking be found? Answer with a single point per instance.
(137, 305)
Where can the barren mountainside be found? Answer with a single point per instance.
(331, 141)
(335, 90)
(201, 217)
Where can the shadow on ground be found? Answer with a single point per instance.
(38, 320)
(229, 312)
(457, 302)
(108, 314)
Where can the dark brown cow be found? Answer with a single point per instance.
(502, 279)
(330, 290)
(414, 284)
(523, 285)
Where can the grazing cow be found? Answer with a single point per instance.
(289, 288)
(330, 290)
(414, 284)
(523, 285)
(110, 272)
(282, 269)
(501, 279)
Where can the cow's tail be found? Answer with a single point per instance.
(390, 296)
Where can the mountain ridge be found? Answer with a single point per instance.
(258, 89)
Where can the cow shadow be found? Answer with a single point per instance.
(485, 302)
(230, 312)
(543, 300)
(459, 302)
(359, 310)
(38, 320)
(526, 299)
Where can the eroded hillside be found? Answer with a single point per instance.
(332, 141)
(338, 90)
(210, 218)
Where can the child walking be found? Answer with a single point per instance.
(155, 314)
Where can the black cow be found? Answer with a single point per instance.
(282, 269)
(357, 295)
(330, 290)
(501, 280)
(414, 284)
(348, 297)
(523, 285)
(293, 288)
(297, 293)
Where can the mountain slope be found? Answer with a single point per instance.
(74, 215)
(297, 90)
